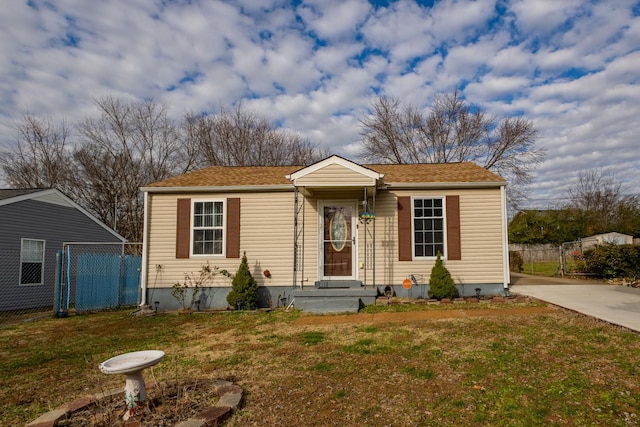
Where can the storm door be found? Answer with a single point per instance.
(338, 241)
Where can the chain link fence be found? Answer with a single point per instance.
(572, 257)
(98, 276)
(78, 277)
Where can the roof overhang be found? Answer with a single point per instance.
(358, 176)
(219, 189)
(443, 185)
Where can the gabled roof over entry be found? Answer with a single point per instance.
(335, 171)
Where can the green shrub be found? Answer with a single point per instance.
(244, 287)
(612, 261)
(516, 263)
(440, 282)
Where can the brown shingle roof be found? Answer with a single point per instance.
(225, 176)
(436, 172)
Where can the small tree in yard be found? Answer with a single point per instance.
(440, 282)
(244, 288)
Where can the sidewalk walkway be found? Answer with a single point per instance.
(619, 305)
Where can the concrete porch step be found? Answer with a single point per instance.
(328, 305)
(324, 284)
(333, 300)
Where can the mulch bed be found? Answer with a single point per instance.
(167, 404)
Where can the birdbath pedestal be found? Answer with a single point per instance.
(131, 365)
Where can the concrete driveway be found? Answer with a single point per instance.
(619, 305)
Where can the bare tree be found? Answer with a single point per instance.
(127, 146)
(452, 131)
(39, 156)
(240, 137)
(598, 199)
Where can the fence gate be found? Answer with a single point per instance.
(98, 276)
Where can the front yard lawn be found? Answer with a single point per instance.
(539, 369)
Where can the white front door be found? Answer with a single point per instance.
(338, 254)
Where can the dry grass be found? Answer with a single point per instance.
(549, 368)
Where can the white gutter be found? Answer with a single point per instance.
(442, 185)
(505, 238)
(145, 248)
(219, 188)
(289, 187)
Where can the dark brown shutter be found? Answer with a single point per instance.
(233, 228)
(454, 251)
(405, 252)
(183, 238)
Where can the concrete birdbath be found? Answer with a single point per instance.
(131, 365)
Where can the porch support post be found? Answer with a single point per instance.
(364, 223)
(298, 231)
(375, 190)
(295, 236)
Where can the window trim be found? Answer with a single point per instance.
(223, 228)
(444, 228)
(22, 242)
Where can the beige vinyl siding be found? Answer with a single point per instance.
(481, 238)
(334, 176)
(266, 234)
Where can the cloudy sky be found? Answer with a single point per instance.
(571, 66)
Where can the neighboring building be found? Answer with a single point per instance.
(34, 224)
(612, 238)
(332, 235)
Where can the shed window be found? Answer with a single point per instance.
(208, 228)
(428, 227)
(32, 262)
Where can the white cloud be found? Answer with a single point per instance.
(569, 66)
(334, 19)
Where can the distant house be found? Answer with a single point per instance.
(330, 236)
(34, 224)
(612, 238)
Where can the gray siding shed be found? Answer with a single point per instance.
(45, 215)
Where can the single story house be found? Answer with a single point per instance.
(34, 225)
(327, 237)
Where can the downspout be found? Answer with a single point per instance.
(145, 249)
(375, 190)
(505, 238)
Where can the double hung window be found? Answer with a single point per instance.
(428, 227)
(32, 262)
(208, 227)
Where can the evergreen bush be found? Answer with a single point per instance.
(440, 282)
(516, 263)
(244, 287)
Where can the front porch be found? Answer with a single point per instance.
(334, 296)
(336, 239)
